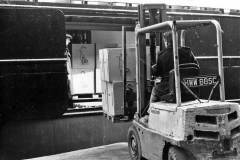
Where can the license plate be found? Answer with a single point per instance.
(200, 81)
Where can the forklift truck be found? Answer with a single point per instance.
(199, 129)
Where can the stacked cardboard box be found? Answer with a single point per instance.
(112, 98)
(111, 64)
(112, 78)
(83, 65)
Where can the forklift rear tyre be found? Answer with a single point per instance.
(134, 146)
(175, 153)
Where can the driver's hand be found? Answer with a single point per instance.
(157, 80)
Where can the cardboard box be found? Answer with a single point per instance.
(83, 56)
(104, 96)
(101, 64)
(115, 98)
(110, 60)
(111, 64)
(98, 81)
(112, 97)
(82, 81)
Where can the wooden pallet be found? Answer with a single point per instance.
(104, 114)
(116, 118)
(87, 98)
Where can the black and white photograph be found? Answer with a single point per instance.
(119, 80)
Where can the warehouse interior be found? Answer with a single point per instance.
(80, 100)
(93, 26)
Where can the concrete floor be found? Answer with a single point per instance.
(116, 151)
(43, 137)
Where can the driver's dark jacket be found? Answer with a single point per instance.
(165, 61)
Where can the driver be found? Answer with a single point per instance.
(164, 64)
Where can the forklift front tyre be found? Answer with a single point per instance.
(175, 153)
(134, 146)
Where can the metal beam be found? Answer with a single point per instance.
(100, 19)
(124, 66)
(68, 5)
(174, 26)
(97, 26)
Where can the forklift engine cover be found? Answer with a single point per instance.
(208, 130)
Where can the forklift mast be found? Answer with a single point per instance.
(150, 14)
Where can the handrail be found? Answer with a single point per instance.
(32, 60)
(220, 59)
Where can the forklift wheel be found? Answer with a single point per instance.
(134, 146)
(175, 153)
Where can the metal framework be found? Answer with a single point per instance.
(87, 16)
(172, 26)
(150, 14)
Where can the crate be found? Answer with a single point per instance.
(111, 64)
(104, 97)
(83, 56)
(98, 81)
(112, 97)
(83, 81)
(115, 98)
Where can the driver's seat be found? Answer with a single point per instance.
(186, 70)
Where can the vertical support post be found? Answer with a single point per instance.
(161, 18)
(124, 60)
(137, 70)
(141, 72)
(220, 60)
(95, 68)
(141, 76)
(141, 16)
(182, 38)
(152, 39)
(176, 64)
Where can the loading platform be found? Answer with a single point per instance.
(116, 151)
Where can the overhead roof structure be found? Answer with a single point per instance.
(87, 16)
(109, 16)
